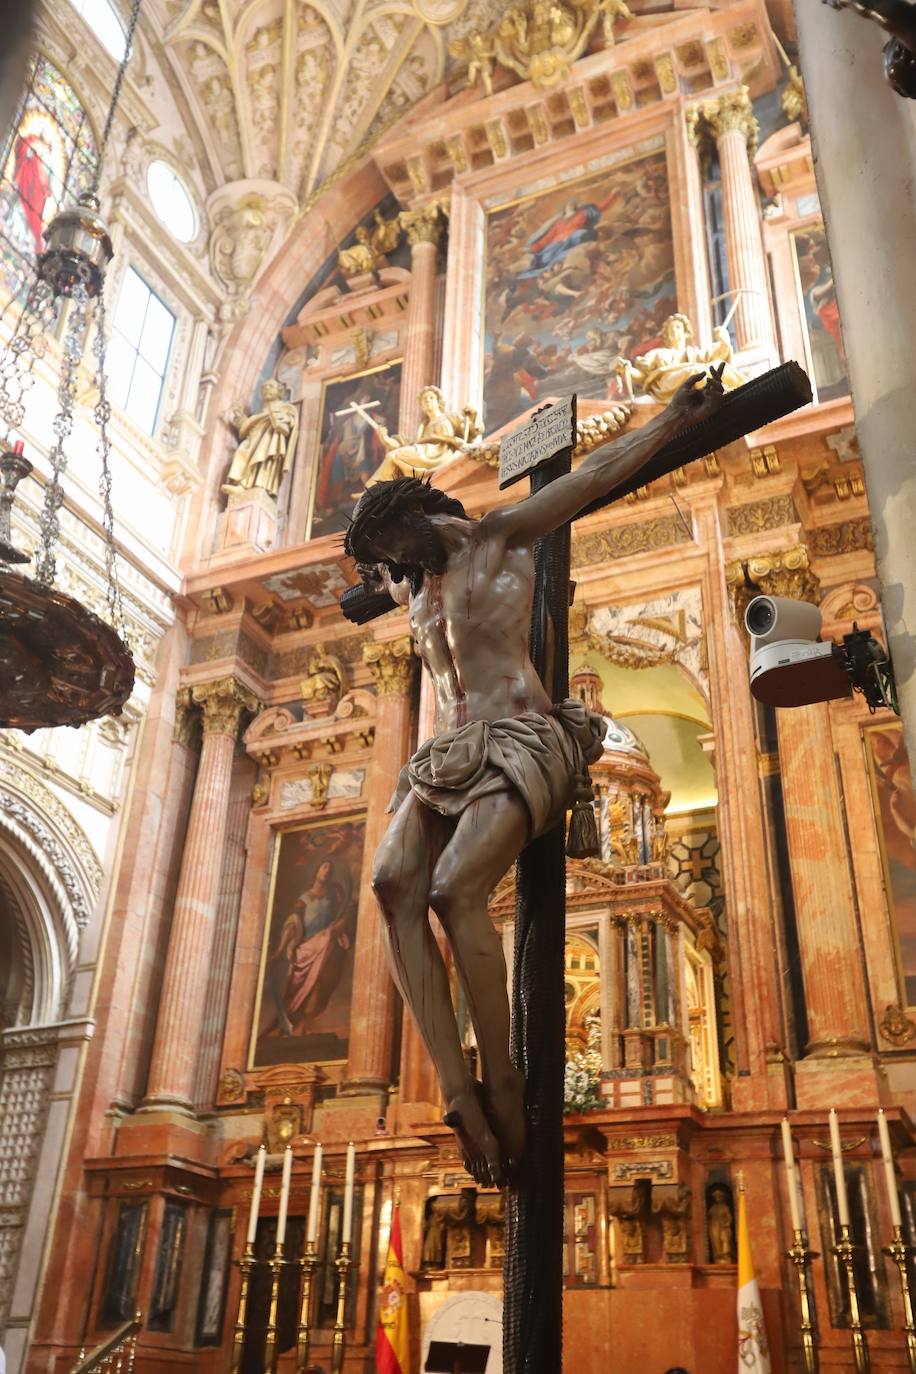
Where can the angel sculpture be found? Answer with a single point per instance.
(360, 257)
(386, 235)
(477, 51)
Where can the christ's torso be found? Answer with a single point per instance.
(470, 625)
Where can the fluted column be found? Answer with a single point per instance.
(729, 121)
(424, 231)
(182, 1009)
(832, 969)
(462, 324)
(753, 951)
(392, 665)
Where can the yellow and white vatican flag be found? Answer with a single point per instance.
(753, 1348)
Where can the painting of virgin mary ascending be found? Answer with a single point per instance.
(302, 1014)
(576, 276)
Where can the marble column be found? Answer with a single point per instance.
(392, 665)
(182, 1009)
(729, 121)
(424, 231)
(864, 139)
(832, 968)
(752, 943)
(462, 325)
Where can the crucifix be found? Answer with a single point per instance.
(357, 408)
(508, 758)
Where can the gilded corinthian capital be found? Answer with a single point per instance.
(732, 112)
(223, 703)
(391, 664)
(423, 225)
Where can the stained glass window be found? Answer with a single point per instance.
(49, 158)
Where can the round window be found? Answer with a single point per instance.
(171, 201)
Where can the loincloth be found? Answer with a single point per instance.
(537, 756)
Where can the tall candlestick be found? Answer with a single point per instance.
(311, 1233)
(791, 1176)
(284, 1197)
(256, 1195)
(890, 1175)
(348, 1194)
(839, 1175)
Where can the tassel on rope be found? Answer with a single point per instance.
(582, 841)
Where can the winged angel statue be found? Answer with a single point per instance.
(539, 41)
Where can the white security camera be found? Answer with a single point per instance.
(789, 664)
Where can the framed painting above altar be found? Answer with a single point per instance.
(349, 449)
(576, 276)
(826, 357)
(305, 984)
(894, 806)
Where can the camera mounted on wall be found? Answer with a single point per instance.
(791, 666)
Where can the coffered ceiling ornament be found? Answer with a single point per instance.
(288, 92)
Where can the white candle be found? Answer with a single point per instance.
(284, 1197)
(348, 1194)
(794, 1200)
(311, 1233)
(256, 1195)
(890, 1175)
(839, 1176)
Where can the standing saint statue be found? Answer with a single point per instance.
(267, 442)
(440, 437)
(721, 1224)
(662, 370)
(503, 764)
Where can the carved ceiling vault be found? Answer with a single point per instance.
(290, 91)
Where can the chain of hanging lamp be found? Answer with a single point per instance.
(66, 271)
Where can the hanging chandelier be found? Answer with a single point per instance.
(60, 663)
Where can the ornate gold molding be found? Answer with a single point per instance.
(852, 536)
(896, 1026)
(423, 225)
(223, 703)
(186, 730)
(785, 573)
(392, 664)
(724, 114)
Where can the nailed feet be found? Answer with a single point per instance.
(489, 1122)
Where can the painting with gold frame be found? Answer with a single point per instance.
(305, 983)
(817, 303)
(349, 448)
(894, 807)
(577, 276)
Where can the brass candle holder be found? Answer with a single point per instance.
(308, 1264)
(342, 1263)
(246, 1263)
(270, 1346)
(844, 1251)
(801, 1257)
(900, 1252)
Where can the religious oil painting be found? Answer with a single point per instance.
(302, 1015)
(349, 446)
(50, 156)
(820, 314)
(576, 277)
(895, 817)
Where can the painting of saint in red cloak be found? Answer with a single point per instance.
(307, 966)
(821, 316)
(350, 449)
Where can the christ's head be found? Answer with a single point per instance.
(392, 525)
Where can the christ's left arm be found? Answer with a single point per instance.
(605, 469)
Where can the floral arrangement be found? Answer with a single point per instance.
(582, 1077)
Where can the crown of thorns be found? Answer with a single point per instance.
(401, 497)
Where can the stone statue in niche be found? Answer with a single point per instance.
(674, 1207)
(325, 682)
(623, 842)
(505, 763)
(720, 1223)
(662, 370)
(630, 1210)
(267, 442)
(441, 437)
(899, 19)
(444, 1216)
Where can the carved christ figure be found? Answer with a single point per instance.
(501, 767)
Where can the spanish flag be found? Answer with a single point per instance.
(392, 1340)
(753, 1350)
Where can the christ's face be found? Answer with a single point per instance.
(396, 541)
